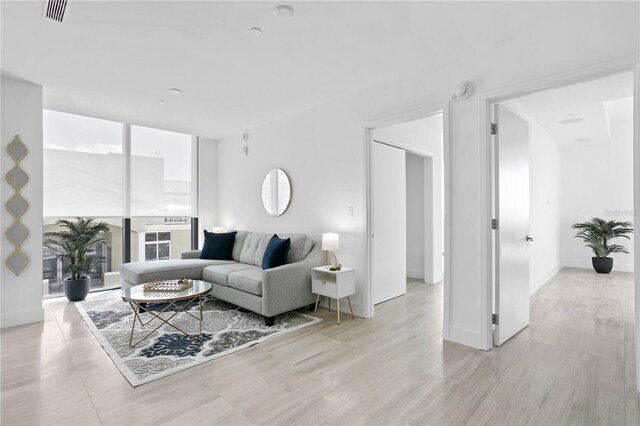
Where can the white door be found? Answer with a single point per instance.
(389, 240)
(512, 211)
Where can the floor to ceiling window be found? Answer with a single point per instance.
(160, 173)
(116, 172)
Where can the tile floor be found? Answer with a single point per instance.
(573, 365)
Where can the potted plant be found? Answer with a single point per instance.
(597, 234)
(73, 243)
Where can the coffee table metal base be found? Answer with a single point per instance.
(186, 304)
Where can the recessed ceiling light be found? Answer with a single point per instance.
(255, 31)
(161, 101)
(175, 91)
(581, 140)
(283, 11)
(569, 119)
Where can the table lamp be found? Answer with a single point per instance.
(330, 243)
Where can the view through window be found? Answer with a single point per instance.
(84, 176)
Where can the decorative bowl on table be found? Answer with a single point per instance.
(168, 285)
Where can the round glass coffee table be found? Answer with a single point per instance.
(138, 299)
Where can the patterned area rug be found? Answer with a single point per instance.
(226, 328)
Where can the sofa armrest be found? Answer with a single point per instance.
(191, 254)
(288, 286)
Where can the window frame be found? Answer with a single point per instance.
(126, 216)
(156, 243)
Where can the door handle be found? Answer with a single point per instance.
(529, 238)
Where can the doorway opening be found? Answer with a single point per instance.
(564, 156)
(407, 206)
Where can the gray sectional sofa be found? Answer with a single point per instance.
(242, 281)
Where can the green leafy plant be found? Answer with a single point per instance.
(598, 232)
(74, 242)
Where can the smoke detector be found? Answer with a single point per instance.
(462, 91)
(283, 11)
(55, 9)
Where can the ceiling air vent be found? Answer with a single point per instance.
(54, 9)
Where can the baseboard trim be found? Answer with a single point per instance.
(537, 285)
(415, 274)
(467, 337)
(586, 264)
(12, 319)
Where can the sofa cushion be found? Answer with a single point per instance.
(301, 245)
(237, 246)
(249, 281)
(218, 246)
(172, 269)
(276, 253)
(253, 248)
(219, 273)
(255, 245)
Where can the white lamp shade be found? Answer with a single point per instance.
(330, 241)
(218, 230)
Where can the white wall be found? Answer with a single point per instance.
(598, 181)
(322, 150)
(546, 201)
(207, 186)
(320, 153)
(415, 166)
(21, 110)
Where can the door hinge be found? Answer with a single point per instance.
(494, 223)
(494, 128)
(494, 319)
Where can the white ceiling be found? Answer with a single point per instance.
(115, 59)
(598, 102)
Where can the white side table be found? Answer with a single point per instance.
(333, 285)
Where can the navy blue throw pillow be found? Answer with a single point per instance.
(276, 253)
(218, 246)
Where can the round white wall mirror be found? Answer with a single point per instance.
(276, 192)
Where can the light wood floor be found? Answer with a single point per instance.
(573, 365)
